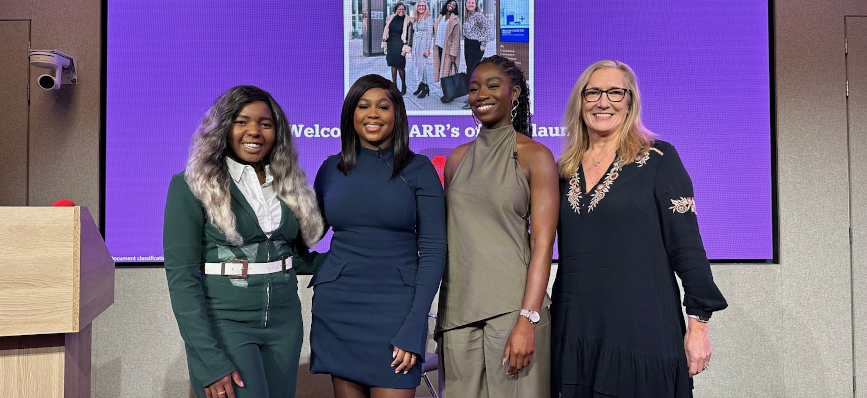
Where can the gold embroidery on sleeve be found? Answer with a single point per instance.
(683, 205)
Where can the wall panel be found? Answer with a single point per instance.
(13, 84)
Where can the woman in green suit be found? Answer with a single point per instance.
(238, 224)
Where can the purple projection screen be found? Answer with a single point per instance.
(703, 69)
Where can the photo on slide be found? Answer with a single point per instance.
(430, 46)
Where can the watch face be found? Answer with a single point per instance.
(534, 317)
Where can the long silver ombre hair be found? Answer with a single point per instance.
(207, 173)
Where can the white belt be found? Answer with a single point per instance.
(242, 268)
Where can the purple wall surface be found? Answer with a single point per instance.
(703, 70)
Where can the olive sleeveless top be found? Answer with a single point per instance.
(488, 208)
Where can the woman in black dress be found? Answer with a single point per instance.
(394, 42)
(627, 226)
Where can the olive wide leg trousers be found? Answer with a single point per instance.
(471, 360)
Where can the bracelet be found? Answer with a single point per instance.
(702, 319)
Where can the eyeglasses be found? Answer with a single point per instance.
(615, 94)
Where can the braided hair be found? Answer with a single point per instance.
(523, 119)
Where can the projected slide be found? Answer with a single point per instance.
(509, 27)
(168, 61)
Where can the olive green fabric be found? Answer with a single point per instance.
(471, 360)
(201, 302)
(488, 206)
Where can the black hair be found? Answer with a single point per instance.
(350, 143)
(523, 119)
(394, 10)
(445, 9)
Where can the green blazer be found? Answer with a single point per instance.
(189, 240)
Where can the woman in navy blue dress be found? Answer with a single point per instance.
(374, 289)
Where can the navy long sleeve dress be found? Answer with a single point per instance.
(374, 289)
(618, 326)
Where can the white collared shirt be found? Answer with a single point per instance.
(262, 198)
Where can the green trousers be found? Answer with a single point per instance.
(264, 345)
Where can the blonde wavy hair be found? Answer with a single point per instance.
(207, 173)
(419, 16)
(634, 138)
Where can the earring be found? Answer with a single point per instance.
(476, 121)
(514, 112)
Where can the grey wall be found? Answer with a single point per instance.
(856, 65)
(63, 155)
(787, 332)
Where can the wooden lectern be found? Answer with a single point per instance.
(56, 276)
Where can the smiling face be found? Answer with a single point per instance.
(374, 118)
(471, 5)
(451, 6)
(252, 135)
(421, 7)
(401, 10)
(491, 96)
(604, 117)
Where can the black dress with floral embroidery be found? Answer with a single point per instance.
(618, 325)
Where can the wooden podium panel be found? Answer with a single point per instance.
(57, 276)
(96, 274)
(46, 365)
(38, 258)
(57, 273)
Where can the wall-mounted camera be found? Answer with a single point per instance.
(61, 68)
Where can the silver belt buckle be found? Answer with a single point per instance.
(283, 263)
(244, 266)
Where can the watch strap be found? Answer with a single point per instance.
(531, 316)
(702, 319)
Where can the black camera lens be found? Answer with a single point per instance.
(46, 82)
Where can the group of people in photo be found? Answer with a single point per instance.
(434, 42)
(241, 218)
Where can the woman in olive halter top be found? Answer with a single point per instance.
(493, 326)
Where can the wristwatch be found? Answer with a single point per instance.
(531, 316)
(702, 319)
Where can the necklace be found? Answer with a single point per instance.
(596, 163)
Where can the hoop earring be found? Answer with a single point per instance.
(514, 112)
(476, 121)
